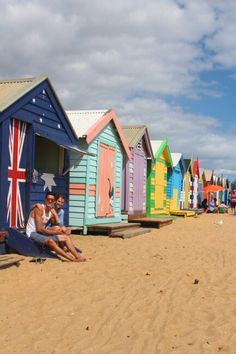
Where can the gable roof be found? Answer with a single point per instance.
(89, 124)
(176, 156)
(158, 146)
(196, 171)
(134, 133)
(82, 120)
(12, 90)
(208, 175)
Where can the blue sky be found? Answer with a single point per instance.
(168, 64)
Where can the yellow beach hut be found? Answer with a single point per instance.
(159, 171)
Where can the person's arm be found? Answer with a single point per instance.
(55, 217)
(61, 217)
(38, 213)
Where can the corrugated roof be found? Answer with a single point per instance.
(12, 90)
(133, 133)
(82, 120)
(176, 156)
(208, 175)
(155, 145)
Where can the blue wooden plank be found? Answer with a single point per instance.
(25, 246)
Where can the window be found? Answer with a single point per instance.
(49, 157)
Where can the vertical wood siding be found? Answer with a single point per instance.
(38, 107)
(176, 188)
(157, 187)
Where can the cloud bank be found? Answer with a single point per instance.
(133, 56)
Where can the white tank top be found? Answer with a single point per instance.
(31, 227)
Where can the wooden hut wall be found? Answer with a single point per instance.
(169, 188)
(37, 111)
(49, 177)
(84, 182)
(200, 199)
(157, 186)
(187, 189)
(176, 183)
(135, 182)
(182, 193)
(195, 192)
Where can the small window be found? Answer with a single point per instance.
(49, 157)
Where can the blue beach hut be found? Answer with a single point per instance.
(35, 137)
(176, 179)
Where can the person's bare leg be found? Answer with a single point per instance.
(72, 249)
(54, 247)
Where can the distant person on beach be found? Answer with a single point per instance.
(233, 201)
(204, 204)
(50, 237)
(212, 207)
(223, 208)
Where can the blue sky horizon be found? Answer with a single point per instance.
(169, 64)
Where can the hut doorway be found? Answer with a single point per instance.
(105, 205)
(139, 168)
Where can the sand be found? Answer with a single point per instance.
(170, 291)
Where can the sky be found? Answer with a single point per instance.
(168, 64)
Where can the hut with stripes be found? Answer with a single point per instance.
(176, 180)
(96, 178)
(186, 190)
(159, 172)
(135, 171)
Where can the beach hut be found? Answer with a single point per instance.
(176, 180)
(159, 171)
(96, 179)
(35, 139)
(186, 189)
(135, 170)
(196, 199)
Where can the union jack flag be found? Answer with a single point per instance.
(16, 175)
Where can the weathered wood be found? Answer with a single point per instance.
(108, 229)
(136, 216)
(23, 245)
(157, 222)
(130, 233)
(184, 213)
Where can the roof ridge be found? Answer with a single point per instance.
(26, 79)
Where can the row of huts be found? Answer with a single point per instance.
(106, 170)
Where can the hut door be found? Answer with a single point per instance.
(16, 197)
(106, 181)
(138, 182)
(160, 184)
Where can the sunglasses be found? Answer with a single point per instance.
(51, 199)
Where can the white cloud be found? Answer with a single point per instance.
(130, 55)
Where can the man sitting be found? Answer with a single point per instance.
(50, 237)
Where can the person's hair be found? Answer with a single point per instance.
(60, 195)
(50, 193)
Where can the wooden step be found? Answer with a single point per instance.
(130, 233)
(155, 222)
(108, 229)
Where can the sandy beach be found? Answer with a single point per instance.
(170, 291)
